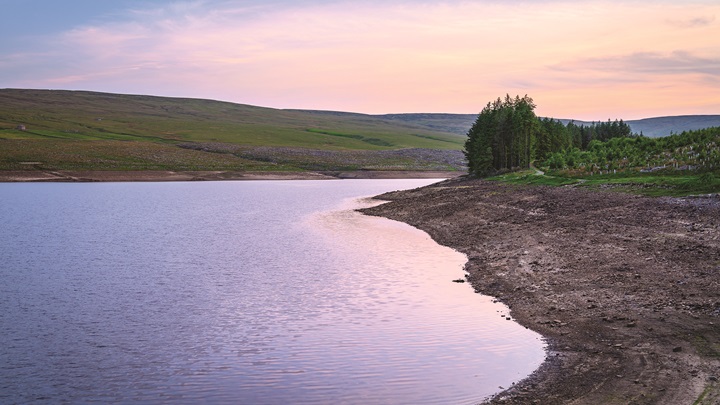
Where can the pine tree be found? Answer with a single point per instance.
(503, 136)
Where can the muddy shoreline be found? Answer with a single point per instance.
(626, 289)
(159, 175)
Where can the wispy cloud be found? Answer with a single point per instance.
(645, 63)
(385, 56)
(693, 22)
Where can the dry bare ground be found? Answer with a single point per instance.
(625, 288)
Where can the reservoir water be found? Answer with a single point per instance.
(239, 292)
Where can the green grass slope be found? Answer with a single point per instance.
(78, 115)
(458, 124)
(78, 130)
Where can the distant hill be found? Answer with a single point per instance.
(50, 130)
(103, 115)
(81, 130)
(453, 123)
(650, 127)
(81, 115)
(664, 126)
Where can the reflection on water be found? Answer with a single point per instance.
(440, 334)
(239, 292)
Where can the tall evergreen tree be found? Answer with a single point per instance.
(507, 134)
(503, 136)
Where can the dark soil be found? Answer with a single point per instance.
(626, 289)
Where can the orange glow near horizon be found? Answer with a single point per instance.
(594, 61)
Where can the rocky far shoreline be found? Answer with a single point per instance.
(625, 288)
(160, 175)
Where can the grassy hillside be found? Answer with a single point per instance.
(454, 123)
(98, 131)
(77, 130)
(91, 116)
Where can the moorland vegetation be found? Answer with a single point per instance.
(45, 130)
(51, 131)
(508, 137)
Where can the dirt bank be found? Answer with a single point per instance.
(159, 175)
(625, 288)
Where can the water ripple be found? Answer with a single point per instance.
(251, 292)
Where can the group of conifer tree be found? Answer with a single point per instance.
(507, 135)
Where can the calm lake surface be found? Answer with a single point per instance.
(239, 292)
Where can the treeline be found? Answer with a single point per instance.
(503, 136)
(691, 150)
(507, 134)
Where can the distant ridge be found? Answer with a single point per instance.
(83, 115)
(664, 126)
(442, 128)
(51, 130)
(453, 123)
(650, 127)
(47, 131)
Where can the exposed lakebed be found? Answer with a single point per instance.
(253, 292)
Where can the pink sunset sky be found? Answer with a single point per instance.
(589, 60)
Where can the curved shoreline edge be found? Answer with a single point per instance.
(71, 176)
(626, 289)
